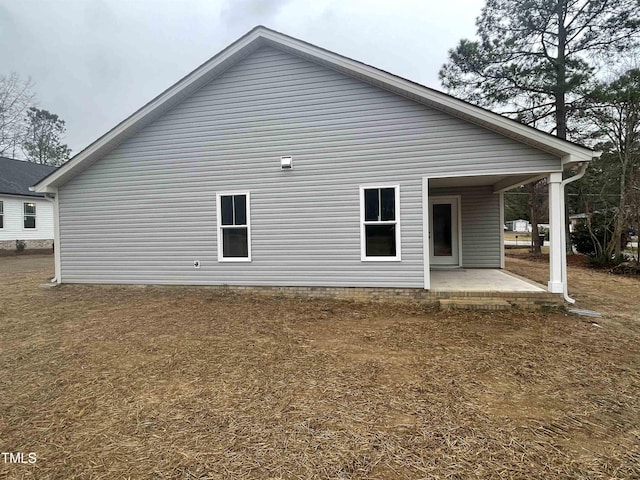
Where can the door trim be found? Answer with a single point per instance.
(458, 201)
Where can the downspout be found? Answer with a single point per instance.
(56, 243)
(577, 176)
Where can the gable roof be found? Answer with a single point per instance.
(260, 37)
(16, 176)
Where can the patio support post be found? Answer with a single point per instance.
(556, 247)
(425, 233)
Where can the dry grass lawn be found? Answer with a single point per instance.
(194, 383)
(615, 296)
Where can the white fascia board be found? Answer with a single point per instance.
(573, 159)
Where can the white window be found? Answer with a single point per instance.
(1, 214)
(29, 215)
(380, 223)
(234, 227)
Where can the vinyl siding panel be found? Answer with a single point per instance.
(481, 224)
(147, 210)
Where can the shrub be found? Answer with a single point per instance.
(20, 245)
(593, 242)
(602, 261)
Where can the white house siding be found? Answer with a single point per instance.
(146, 211)
(481, 225)
(13, 221)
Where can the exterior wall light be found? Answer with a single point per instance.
(286, 163)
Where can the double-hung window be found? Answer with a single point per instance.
(29, 215)
(1, 214)
(380, 223)
(234, 227)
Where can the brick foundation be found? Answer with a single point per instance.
(518, 300)
(29, 244)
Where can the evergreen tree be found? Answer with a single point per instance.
(535, 58)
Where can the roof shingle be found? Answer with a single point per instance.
(16, 176)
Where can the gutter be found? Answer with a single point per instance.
(563, 264)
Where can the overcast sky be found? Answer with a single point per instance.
(94, 62)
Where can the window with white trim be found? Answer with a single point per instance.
(380, 225)
(1, 214)
(234, 229)
(29, 215)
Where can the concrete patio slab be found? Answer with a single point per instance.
(480, 280)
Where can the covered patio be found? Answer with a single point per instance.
(464, 234)
(488, 289)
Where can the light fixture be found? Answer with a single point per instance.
(286, 163)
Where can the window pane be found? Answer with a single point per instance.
(241, 209)
(235, 243)
(1, 207)
(442, 238)
(226, 209)
(29, 221)
(371, 204)
(380, 240)
(1, 221)
(29, 208)
(388, 204)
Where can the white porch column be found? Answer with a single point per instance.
(555, 233)
(425, 233)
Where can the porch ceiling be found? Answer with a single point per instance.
(499, 182)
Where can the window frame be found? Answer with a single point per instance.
(220, 227)
(34, 215)
(364, 223)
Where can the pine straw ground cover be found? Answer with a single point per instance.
(192, 383)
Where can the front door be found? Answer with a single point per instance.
(443, 232)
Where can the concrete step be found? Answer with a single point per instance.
(474, 304)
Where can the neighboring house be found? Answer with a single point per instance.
(24, 215)
(518, 226)
(279, 163)
(576, 219)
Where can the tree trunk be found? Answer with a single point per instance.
(536, 248)
(534, 217)
(560, 103)
(621, 218)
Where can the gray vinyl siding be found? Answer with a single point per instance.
(147, 210)
(481, 224)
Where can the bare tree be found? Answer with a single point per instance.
(616, 115)
(15, 99)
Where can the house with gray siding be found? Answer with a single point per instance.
(279, 163)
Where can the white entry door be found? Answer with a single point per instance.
(444, 243)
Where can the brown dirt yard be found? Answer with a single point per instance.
(116, 382)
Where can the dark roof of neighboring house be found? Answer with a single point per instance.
(16, 176)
